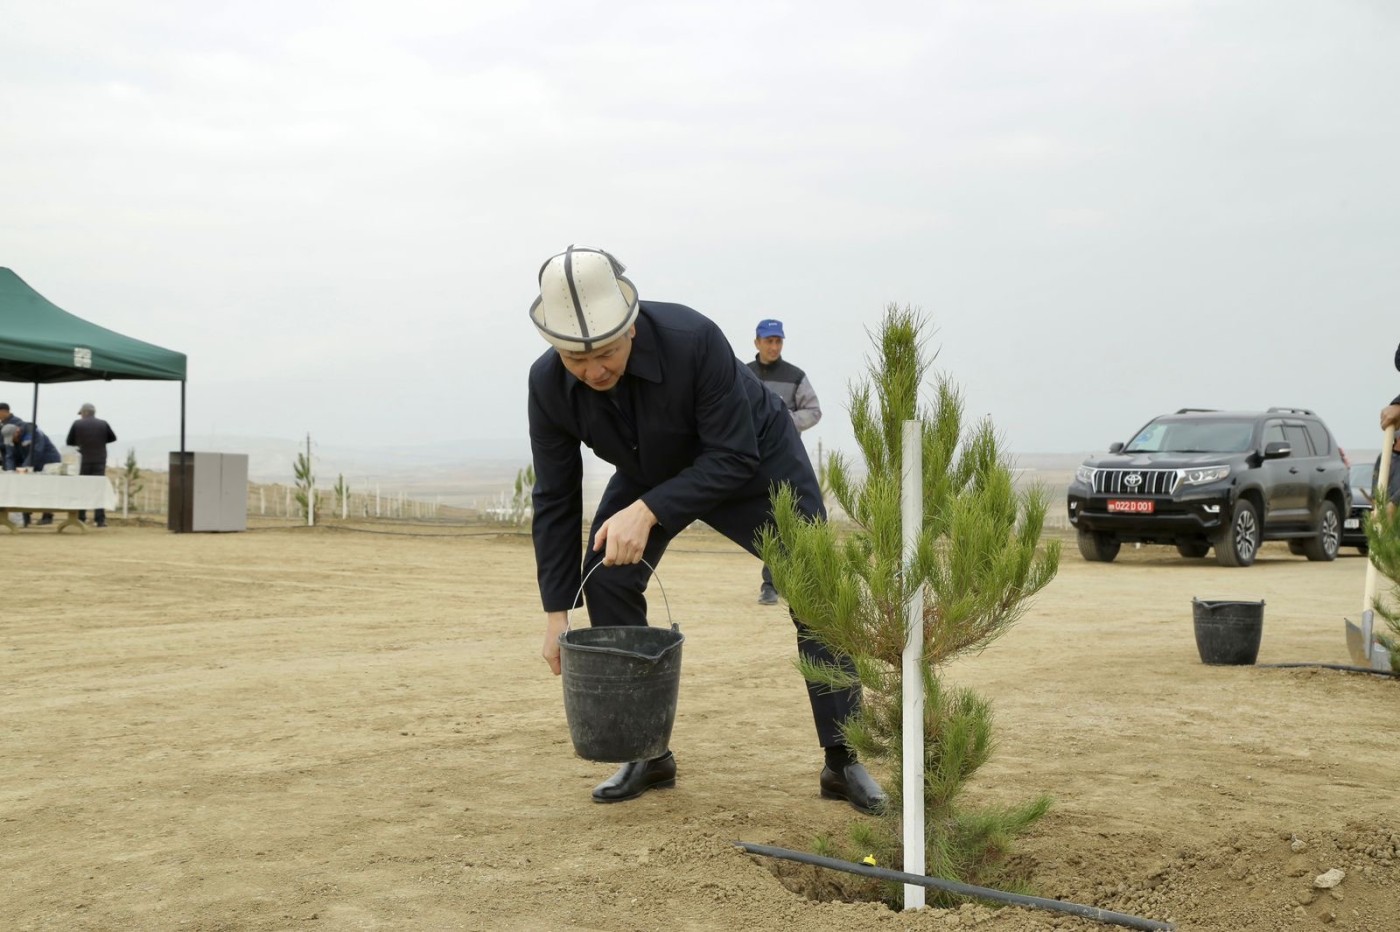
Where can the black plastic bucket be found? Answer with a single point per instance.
(620, 690)
(1228, 632)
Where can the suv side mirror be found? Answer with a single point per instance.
(1277, 449)
(1116, 446)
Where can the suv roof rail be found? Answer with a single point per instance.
(1196, 410)
(1292, 411)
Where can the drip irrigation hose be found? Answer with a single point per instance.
(1333, 666)
(959, 889)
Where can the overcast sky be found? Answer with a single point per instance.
(337, 210)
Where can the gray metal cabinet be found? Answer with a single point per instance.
(208, 492)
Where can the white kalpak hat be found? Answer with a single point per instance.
(584, 300)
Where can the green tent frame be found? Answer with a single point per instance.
(40, 342)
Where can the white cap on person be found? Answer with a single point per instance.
(585, 301)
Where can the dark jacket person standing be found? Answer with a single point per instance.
(90, 434)
(656, 390)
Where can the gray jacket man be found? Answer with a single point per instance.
(782, 377)
(791, 385)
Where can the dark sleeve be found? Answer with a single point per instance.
(111, 435)
(557, 500)
(72, 440)
(728, 439)
(1396, 400)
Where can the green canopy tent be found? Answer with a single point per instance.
(41, 342)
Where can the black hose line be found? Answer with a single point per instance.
(1333, 666)
(959, 889)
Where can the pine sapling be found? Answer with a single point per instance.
(979, 562)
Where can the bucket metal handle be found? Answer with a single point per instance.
(568, 615)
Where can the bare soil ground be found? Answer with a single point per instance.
(351, 729)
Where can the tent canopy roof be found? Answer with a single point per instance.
(41, 342)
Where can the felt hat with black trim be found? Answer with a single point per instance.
(585, 301)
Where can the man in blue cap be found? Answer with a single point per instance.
(790, 384)
(654, 389)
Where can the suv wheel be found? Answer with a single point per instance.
(1239, 543)
(1295, 547)
(1193, 549)
(1098, 548)
(1329, 535)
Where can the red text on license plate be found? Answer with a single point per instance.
(1137, 506)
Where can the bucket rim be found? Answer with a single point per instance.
(620, 651)
(1213, 602)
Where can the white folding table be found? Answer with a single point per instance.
(42, 492)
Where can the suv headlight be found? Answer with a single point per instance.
(1204, 474)
(1085, 474)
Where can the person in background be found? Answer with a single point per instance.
(1390, 417)
(1392, 490)
(1390, 414)
(655, 389)
(90, 434)
(790, 384)
(31, 448)
(8, 417)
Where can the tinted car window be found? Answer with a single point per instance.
(1321, 442)
(1213, 436)
(1297, 437)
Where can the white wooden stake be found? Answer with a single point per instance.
(912, 495)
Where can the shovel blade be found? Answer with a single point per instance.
(1365, 651)
(1356, 645)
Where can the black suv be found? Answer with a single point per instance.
(1200, 478)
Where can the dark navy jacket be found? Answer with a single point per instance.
(701, 430)
(33, 448)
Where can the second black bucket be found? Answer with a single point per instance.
(620, 690)
(1228, 632)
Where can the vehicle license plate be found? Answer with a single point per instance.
(1351, 524)
(1137, 506)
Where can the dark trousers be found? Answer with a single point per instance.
(94, 469)
(616, 595)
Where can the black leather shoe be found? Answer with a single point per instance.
(855, 785)
(635, 778)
